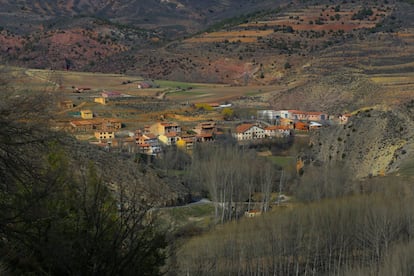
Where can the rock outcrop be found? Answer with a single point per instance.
(373, 142)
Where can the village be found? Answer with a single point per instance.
(110, 133)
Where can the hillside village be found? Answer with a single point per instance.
(110, 133)
(224, 137)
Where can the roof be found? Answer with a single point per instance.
(149, 136)
(104, 131)
(188, 139)
(205, 135)
(315, 113)
(169, 124)
(207, 125)
(243, 128)
(213, 104)
(296, 111)
(171, 134)
(277, 128)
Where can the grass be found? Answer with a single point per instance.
(187, 92)
(282, 161)
(200, 215)
(407, 168)
(178, 84)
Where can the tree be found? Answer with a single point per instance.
(227, 113)
(287, 65)
(57, 216)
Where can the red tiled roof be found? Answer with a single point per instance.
(214, 104)
(205, 135)
(243, 128)
(171, 134)
(314, 113)
(296, 111)
(169, 124)
(149, 136)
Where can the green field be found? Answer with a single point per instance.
(282, 161)
(181, 85)
(199, 215)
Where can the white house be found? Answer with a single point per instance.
(249, 132)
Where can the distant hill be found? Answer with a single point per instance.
(173, 15)
(328, 54)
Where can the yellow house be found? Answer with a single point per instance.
(162, 128)
(100, 100)
(186, 143)
(86, 114)
(169, 139)
(68, 104)
(104, 135)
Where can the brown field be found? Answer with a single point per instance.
(299, 21)
(248, 36)
(219, 94)
(47, 80)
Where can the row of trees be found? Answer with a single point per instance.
(367, 234)
(231, 175)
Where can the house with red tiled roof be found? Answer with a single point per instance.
(169, 138)
(147, 143)
(248, 132)
(299, 115)
(167, 133)
(111, 94)
(317, 116)
(186, 142)
(205, 131)
(162, 128)
(95, 124)
(104, 135)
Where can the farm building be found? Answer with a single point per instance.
(104, 135)
(86, 114)
(111, 94)
(248, 132)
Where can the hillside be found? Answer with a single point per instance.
(102, 35)
(173, 16)
(335, 56)
(374, 142)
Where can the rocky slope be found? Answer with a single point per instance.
(374, 142)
